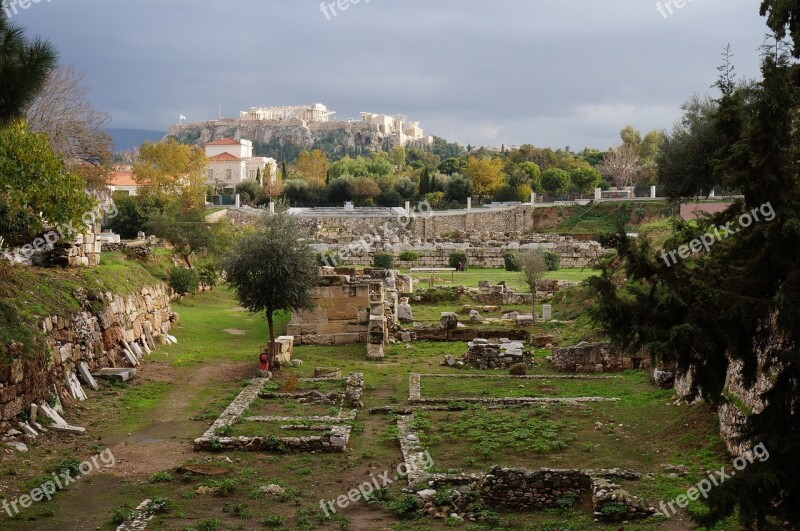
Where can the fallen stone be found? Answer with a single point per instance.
(204, 470)
(65, 428)
(18, 446)
(26, 428)
(172, 339)
(450, 361)
(427, 493)
(448, 321)
(137, 350)
(13, 433)
(297, 363)
(122, 374)
(475, 316)
(86, 376)
(404, 313)
(272, 490)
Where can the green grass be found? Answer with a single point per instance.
(215, 327)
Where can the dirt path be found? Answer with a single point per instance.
(167, 442)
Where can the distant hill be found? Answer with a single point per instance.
(125, 139)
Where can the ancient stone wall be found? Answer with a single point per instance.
(347, 310)
(596, 357)
(518, 489)
(97, 335)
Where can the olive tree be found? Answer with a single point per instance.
(534, 267)
(272, 269)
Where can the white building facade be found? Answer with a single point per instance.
(308, 113)
(231, 162)
(398, 126)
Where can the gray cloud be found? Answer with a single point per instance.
(548, 72)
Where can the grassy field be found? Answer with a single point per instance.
(182, 388)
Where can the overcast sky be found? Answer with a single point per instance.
(547, 72)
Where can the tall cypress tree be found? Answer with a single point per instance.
(738, 300)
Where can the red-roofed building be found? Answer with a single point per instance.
(122, 181)
(230, 162)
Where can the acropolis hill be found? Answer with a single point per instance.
(282, 131)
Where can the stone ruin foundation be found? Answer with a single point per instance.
(483, 354)
(358, 308)
(597, 358)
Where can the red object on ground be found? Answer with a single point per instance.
(263, 362)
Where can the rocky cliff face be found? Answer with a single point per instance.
(284, 140)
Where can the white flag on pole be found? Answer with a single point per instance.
(182, 117)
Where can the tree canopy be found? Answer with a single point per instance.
(272, 269)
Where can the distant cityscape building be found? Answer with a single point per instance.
(230, 162)
(308, 113)
(398, 126)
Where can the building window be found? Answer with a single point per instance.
(229, 174)
(211, 174)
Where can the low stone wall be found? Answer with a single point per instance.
(596, 357)
(573, 254)
(469, 334)
(519, 489)
(96, 335)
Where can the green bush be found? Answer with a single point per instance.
(407, 507)
(383, 260)
(459, 258)
(183, 281)
(329, 258)
(512, 261)
(518, 369)
(553, 261)
(409, 256)
(208, 275)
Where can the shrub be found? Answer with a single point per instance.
(329, 258)
(407, 507)
(518, 369)
(512, 261)
(183, 281)
(553, 261)
(459, 260)
(383, 260)
(409, 256)
(208, 275)
(161, 477)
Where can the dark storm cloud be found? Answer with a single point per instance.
(548, 72)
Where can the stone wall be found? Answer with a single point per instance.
(484, 234)
(596, 357)
(97, 335)
(519, 489)
(347, 310)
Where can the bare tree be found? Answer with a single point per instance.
(622, 165)
(74, 126)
